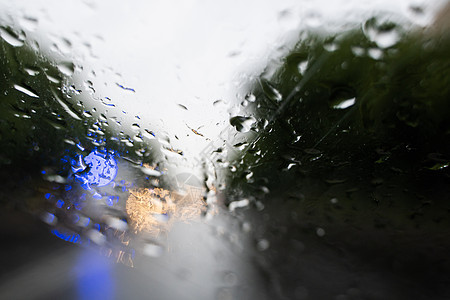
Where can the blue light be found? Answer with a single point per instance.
(47, 196)
(86, 222)
(76, 218)
(71, 238)
(109, 201)
(94, 277)
(98, 168)
(59, 203)
(68, 187)
(80, 147)
(48, 218)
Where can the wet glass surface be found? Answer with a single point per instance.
(225, 150)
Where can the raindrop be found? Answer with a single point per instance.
(49, 218)
(242, 124)
(312, 151)
(250, 97)
(217, 102)
(65, 46)
(66, 107)
(53, 79)
(246, 227)
(330, 47)
(129, 143)
(384, 33)
(358, 51)
(149, 134)
(271, 92)
(152, 250)
(12, 38)
(150, 172)
(335, 181)
(26, 91)
(302, 66)
(343, 104)
(138, 139)
(116, 223)
(67, 68)
(31, 71)
(29, 23)
(125, 88)
(375, 53)
(262, 245)
(320, 232)
(313, 19)
(96, 236)
(87, 114)
(238, 204)
(240, 146)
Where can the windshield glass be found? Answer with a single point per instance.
(225, 150)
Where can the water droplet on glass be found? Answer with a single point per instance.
(67, 68)
(270, 91)
(358, 51)
(330, 47)
(150, 171)
(238, 204)
(29, 23)
(302, 66)
(87, 114)
(240, 146)
(152, 250)
(250, 97)
(312, 151)
(116, 223)
(262, 245)
(313, 19)
(49, 218)
(320, 232)
(138, 138)
(96, 236)
(242, 124)
(385, 34)
(31, 71)
(53, 79)
(26, 91)
(343, 104)
(71, 112)
(11, 37)
(375, 53)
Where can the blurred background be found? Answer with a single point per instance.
(170, 150)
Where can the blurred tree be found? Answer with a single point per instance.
(359, 98)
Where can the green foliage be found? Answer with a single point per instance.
(398, 99)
